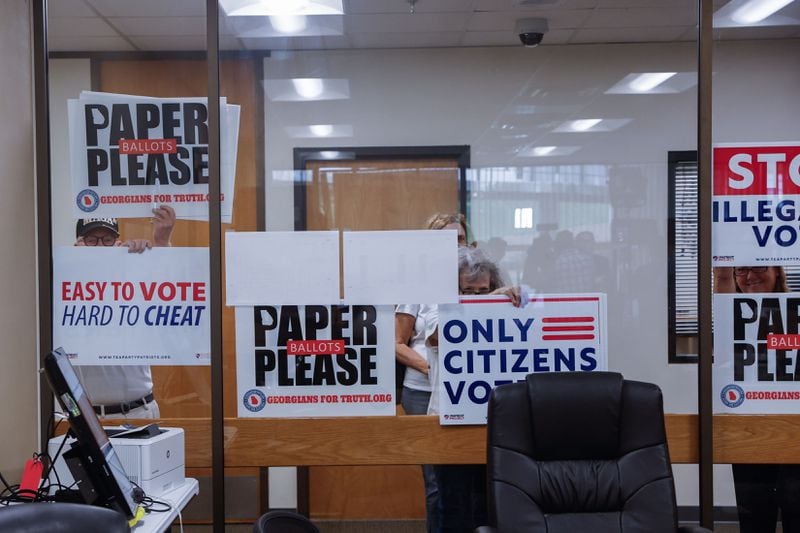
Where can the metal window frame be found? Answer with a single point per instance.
(44, 242)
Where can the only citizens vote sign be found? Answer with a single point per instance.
(485, 341)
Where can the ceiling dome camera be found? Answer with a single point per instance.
(531, 31)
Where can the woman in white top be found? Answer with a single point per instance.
(462, 488)
(411, 352)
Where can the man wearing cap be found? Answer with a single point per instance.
(122, 391)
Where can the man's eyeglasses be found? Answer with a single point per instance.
(105, 240)
(743, 271)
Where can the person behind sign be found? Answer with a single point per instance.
(122, 391)
(462, 488)
(762, 489)
(410, 351)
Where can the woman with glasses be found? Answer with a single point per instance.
(762, 489)
(462, 488)
(412, 359)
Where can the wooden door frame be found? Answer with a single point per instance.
(461, 153)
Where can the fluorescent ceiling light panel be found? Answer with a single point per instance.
(647, 81)
(266, 8)
(288, 24)
(585, 124)
(591, 125)
(283, 26)
(540, 151)
(316, 131)
(307, 89)
(757, 10)
(738, 13)
(654, 83)
(321, 130)
(548, 151)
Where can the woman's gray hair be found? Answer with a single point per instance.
(473, 262)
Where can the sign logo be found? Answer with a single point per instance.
(88, 200)
(732, 396)
(254, 400)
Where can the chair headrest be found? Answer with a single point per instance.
(575, 415)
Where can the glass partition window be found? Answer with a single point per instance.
(758, 264)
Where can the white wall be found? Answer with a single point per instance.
(68, 77)
(18, 319)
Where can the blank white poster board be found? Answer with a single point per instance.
(394, 267)
(281, 267)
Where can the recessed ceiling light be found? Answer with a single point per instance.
(542, 150)
(321, 130)
(288, 24)
(757, 10)
(649, 80)
(265, 8)
(585, 124)
(308, 87)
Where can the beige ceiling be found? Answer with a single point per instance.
(162, 25)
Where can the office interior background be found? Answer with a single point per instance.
(568, 136)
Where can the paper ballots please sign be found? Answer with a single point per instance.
(315, 360)
(756, 204)
(756, 350)
(485, 341)
(129, 154)
(115, 308)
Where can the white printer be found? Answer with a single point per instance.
(153, 457)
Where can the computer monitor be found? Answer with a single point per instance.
(92, 460)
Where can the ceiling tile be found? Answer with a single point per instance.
(150, 8)
(497, 20)
(143, 27)
(628, 35)
(638, 18)
(398, 23)
(405, 40)
(402, 6)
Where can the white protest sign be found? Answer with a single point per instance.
(115, 308)
(390, 267)
(756, 345)
(485, 341)
(129, 154)
(756, 204)
(281, 267)
(315, 360)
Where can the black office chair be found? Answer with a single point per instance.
(61, 518)
(579, 451)
(284, 522)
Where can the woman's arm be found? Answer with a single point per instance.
(403, 331)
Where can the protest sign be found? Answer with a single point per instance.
(115, 308)
(485, 342)
(315, 360)
(756, 204)
(129, 154)
(756, 345)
